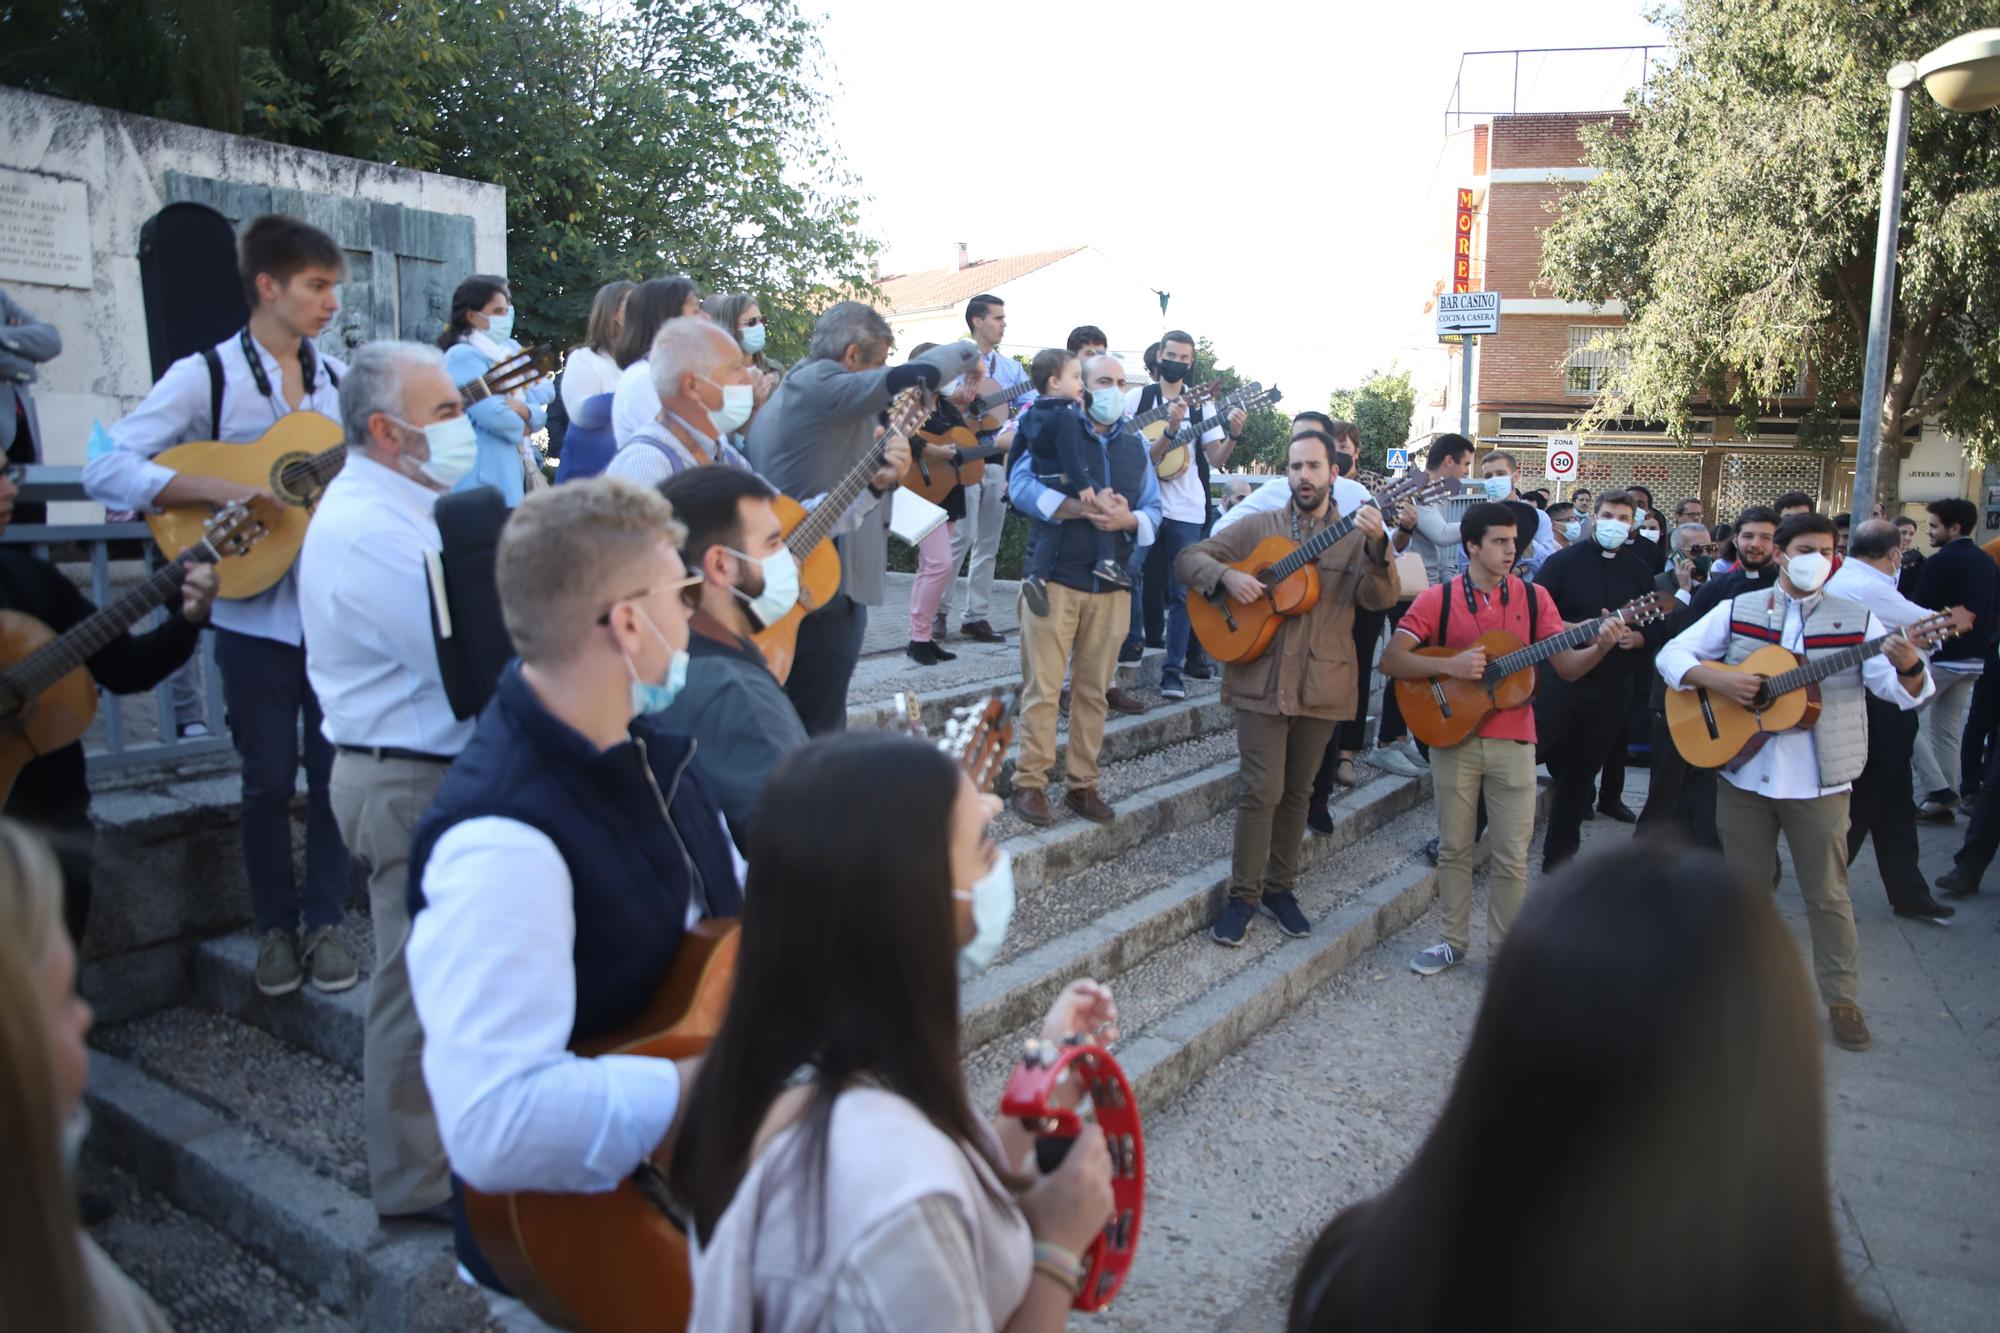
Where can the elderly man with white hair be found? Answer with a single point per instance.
(706, 392)
(365, 606)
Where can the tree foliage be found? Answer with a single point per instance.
(1736, 218)
(635, 139)
(1266, 431)
(1381, 410)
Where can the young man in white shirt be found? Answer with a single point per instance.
(234, 392)
(1798, 782)
(364, 601)
(986, 503)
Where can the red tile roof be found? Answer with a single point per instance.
(950, 286)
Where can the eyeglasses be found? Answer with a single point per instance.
(678, 585)
(15, 472)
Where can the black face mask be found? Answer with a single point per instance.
(1702, 564)
(1173, 372)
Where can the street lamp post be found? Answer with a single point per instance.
(1961, 75)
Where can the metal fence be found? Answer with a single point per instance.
(129, 730)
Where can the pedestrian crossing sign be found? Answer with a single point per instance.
(1398, 458)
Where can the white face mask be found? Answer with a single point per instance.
(453, 445)
(1650, 534)
(992, 900)
(1807, 571)
(738, 402)
(781, 586)
(1611, 532)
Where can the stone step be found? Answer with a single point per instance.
(980, 670)
(263, 1142)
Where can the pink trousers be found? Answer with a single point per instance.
(933, 577)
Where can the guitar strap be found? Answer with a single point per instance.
(1465, 583)
(308, 363)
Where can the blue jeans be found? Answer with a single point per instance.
(265, 694)
(1173, 537)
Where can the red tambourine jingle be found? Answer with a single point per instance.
(1046, 1066)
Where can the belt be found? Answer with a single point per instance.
(395, 752)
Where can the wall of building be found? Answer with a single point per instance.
(1522, 365)
(115, 168)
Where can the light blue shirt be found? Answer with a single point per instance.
(499, 428)
(1031, 496)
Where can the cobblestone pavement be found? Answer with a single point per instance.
(1325, 1108)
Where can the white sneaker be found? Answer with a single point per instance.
(1391, 760)
(1408, 745)
(1435, 960)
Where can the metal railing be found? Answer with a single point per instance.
(119, 738)
(1456, 114)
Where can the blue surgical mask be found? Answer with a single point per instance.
(1497, 488)
(739, 401)
(1107, 405)
(1573, 530)
(992, 900)
(781, 586)
(500, 327)
(753, 339)
(453, 446)
(1611, 533)
(647, 699)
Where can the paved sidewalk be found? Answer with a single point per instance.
(1326, 1108)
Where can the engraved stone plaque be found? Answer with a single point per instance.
(44, 230)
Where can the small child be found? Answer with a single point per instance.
(1066, 458)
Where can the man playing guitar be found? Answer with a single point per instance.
(569, 850)
(986, 503)
(234, 392)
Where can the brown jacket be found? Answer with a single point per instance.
(1310, 669)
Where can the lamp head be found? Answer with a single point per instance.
(1964, 73)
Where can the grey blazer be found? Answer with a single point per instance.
(813, 428)
(25, 342)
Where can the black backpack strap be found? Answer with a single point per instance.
(214, 392)
(1444, 610)
(1534, 605)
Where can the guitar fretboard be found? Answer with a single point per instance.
(1576, 636)
(1819, 668)
(813, 529)
(36, 672)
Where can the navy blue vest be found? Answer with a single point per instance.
(1076, 548)
(631, 872)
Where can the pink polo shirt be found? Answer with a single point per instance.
(1421, 621)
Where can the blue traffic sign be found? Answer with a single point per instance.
(1399, 458)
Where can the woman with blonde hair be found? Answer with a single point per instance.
(743, 319)
(52, 1275)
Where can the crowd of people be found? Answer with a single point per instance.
(533, 867)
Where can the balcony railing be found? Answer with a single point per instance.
(131, 729)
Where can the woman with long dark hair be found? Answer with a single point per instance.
(478, 335)
(833, 1172)
(1636, 1139)
(636, 403)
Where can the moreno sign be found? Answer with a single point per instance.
(1468, 312)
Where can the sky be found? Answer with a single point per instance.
(1321, 126)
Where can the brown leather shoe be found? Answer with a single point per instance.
(1086, 802)
(1032, 805)
(1120, 702)
(1850, 1029)
(980, 630)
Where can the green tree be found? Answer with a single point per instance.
(1736, 217)
(1381, 410)
(1266, 431)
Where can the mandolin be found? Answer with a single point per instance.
(812, 549)
(1444, 710)
(47, 697)
(1239, 632)
(1181, 452)
(617, 1262)
(294, 461)
(1711, 731)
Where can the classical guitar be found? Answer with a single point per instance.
(47, 697)
(934, 479)
(1181, 452)
(1711, 731)
(294, 460)
(617, 1262)
(1239, 632)
(994, 404)
(1444, 710)
(812, 549)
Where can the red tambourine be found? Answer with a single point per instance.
(1029, 1090)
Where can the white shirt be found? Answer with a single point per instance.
(364, 599)
(1861, 582)
(587, 373)
(176, 411)
(1348, 493)
(1183, 498)
(634, 402)
(493, 973)
(1787, 767)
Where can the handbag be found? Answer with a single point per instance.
(1412, 576)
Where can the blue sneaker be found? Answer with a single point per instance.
(1171, 687)
(1435, 960)
(1234, 924)
(1283, 907)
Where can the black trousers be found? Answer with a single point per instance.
(1351, 734)
(1982, 835)
(1882, 806)
(1579, 724)
(1980, 722)
(1393, 727)
(1612, 789)
(1680, 799)
(829, 646)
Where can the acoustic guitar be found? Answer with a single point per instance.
(1444, 710)
(806, 537)
(617, 1262)
(933, 479)
(294, 460)
(994, 404)
(47, 696)
(1239, 632)
(1711, 731)
(1181, 452)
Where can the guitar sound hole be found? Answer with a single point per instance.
(292, 480)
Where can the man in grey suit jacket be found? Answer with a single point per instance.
(25, 342)
(811, 430)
